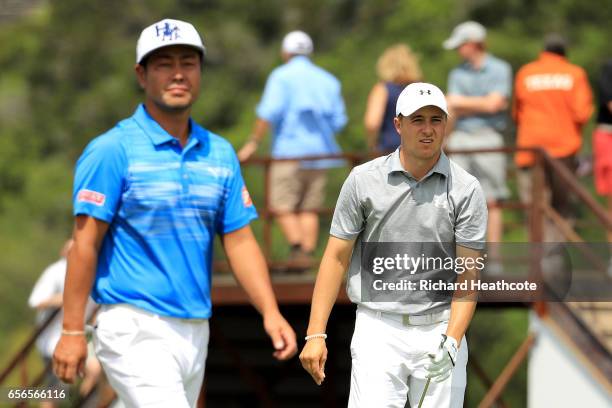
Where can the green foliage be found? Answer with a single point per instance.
(493, 338)
(67, 75)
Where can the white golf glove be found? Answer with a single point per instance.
(443, 360)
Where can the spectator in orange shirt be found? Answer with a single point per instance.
(553, 101)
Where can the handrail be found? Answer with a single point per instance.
(542, 159)
(582, 193)
(25, 349)
(498, 386)
(536, 232)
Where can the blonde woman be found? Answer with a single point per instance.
(397, 67)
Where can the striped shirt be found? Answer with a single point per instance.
(164, 203)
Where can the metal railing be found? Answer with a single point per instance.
(538, 211)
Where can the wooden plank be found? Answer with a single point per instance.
(288, 290)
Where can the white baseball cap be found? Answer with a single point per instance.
(464, 32)
(297, 42)
(165, 33)
(417, 95)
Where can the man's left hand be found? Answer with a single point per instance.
(442, 361)
(247, 150)
(282, 336)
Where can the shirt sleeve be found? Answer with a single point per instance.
(453, 83)
(582, 99)
(47, 284)
(472, 216)
(348, 220)
(501, 80)
(237, 208)
(516, 102)
(272, 102)
(99, 179)
(339, 118)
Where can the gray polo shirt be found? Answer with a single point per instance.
(495, 75)
(380, 202)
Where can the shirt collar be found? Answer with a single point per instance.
(299, 59)
(486, 62)
(442, 166)
(157, 134)
(551, 56)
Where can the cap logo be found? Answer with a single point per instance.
(428, 92)
(167, 33)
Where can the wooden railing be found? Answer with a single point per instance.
(538, 210)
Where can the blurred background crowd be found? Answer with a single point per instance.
(66, 77)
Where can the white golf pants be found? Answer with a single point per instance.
(388, 359)
(151, 360)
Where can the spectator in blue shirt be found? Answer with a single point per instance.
(149, 197)
(303, 105)
(478, 96)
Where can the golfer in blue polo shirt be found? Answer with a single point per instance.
(149, 197)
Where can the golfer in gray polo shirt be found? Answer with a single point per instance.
(414, 196)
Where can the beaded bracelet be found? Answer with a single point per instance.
(315, 336)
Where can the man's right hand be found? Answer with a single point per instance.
(69, 357)
(313, 358)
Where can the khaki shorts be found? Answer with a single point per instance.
(293, 188)
(488, 168)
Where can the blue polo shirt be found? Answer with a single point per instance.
(495, 75)
(163, 203)
(304, 105)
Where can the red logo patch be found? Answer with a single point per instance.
(246, 197)
(93, 197)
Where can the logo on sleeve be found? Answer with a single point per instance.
(246, 197)
(93, 197)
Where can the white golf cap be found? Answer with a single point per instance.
(165, 33)
(465, 32)
(417, 95)
(297, 42)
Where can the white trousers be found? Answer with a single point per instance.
(388, 359)
(151, 360)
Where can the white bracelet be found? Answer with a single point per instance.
(73, 332)
(315, 336)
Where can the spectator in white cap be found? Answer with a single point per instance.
(297, 43)
(415, 195)
(478, 96)
(302, 104)
(149, 197)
